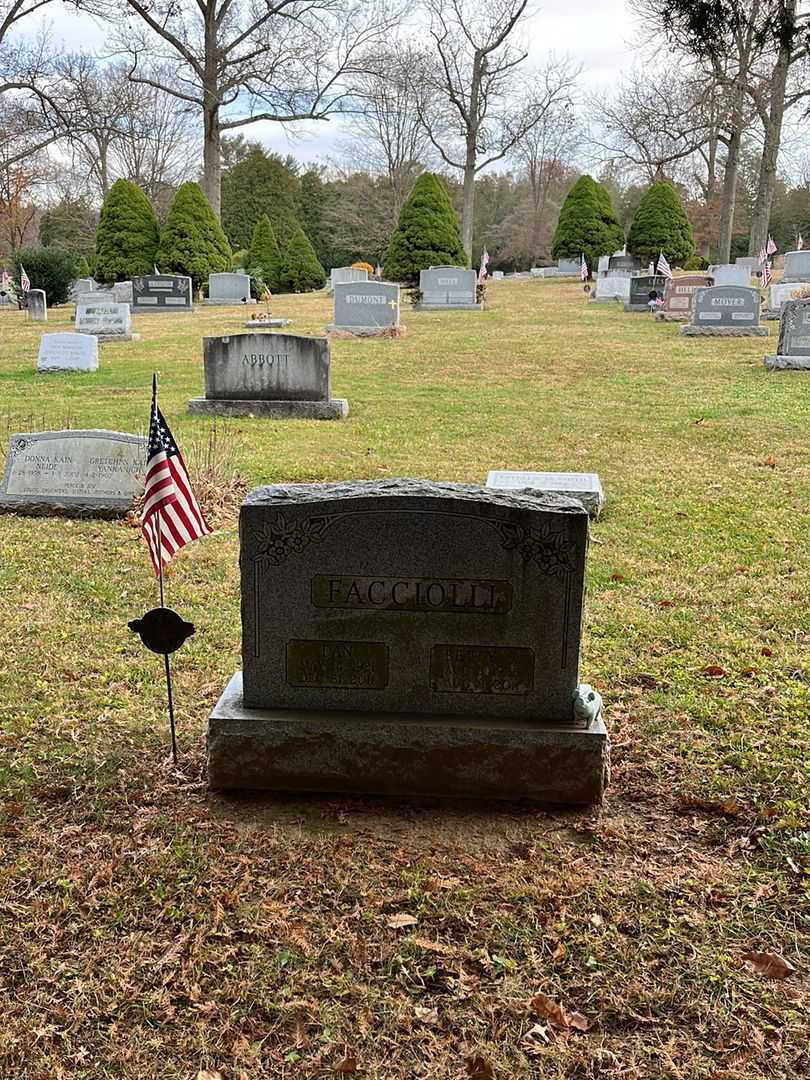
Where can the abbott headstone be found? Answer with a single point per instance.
(366, 307)
(446, 288)
(678, 296)
(277, 376)
(229, 289)
(725, 311)
(37, 306)
(793, 349)
(586, 488)
(67, 352)
(410, 637)
(108, 321)
(86, 473)
(161, 293)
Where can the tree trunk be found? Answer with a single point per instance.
(772, 123)
(468, 206)
(212, 163)
(730, 190)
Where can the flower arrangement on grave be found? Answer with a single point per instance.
(364, 266)
(802, 293)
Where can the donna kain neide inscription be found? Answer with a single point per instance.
(405, 636)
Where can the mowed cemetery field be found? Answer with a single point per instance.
(149, 928)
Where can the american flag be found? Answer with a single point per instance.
(763, 255)
(25, 282)
(583, 269)
(482, 273)
(171, 516)
(663, 268)
(766, 275)
(771, 248)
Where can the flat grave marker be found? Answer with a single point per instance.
(586, 488)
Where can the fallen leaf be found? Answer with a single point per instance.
(478, 1068)
(402, 918)
(769, 965)
(649, 682)
(765, 651)
(559, 952)
(714, 671)
(617, 577)
(427, 1016)
(347, 1065)
(770, 461)
(666, 603)
(550, 1010)
(578, 1021)
(596, 920)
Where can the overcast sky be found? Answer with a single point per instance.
(597, 34)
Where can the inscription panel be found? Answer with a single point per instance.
(350, 664)
(412, 594)
(481, 669)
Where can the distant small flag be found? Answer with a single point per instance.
(799, 243)
(650, 269)
(766, 275)
(771, 247)
(763, 255)
(25, 283)
(5, 281)
(378, 272)
(663, 268)
(157, 272)
(482, 273)
(583, 269)
(171, 516)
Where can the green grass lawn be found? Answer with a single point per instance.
(149, 929)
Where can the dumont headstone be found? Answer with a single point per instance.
(448, 288)
(725, 311)
(730, 274)
(230, 288)
(67, 352)
(275, 376)
(678, 296)
(82, 473)
(586, 488)
(122, 292)
(37, 306)
(340, 275)
(406, 637)
(793, 349)
(366, 308)
(161, 293)
(641, 289)
(106, 320)
(797, 266)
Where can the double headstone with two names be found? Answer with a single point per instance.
(448, 288)
(612, 286)
(407, 637)
(37, 306)
(67, 352)
(229, 288)
(367, 309)
(725, 311)
(161, 294)
(81, 473)
(793, 349)
(273, 376)
(678, 296)
(106, 320)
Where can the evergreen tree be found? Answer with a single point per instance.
(300, 270)
(127, 235)
(264, 254)
(258, 184)
(313, 202)
(661, 224)
(587, 224)
(428, 233)
(193, 241)
(83, 268)
(48, 268)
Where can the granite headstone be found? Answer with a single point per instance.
(445, 288)
(797, 266)
(340, 275)
(122, 292)
(643, 290)
(366, 307)
(611, 287)
(678, 296)
(793, 348)
(586, 488)
(37, 306)
(725, 311)
(229, 288)
(779, 293)
(161, 294)
(68, 352)
(108, 321)
(730, 274)
(624, 262)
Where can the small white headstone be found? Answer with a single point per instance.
(67, 352)
(586, 488)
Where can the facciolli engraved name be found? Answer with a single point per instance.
(465, 595)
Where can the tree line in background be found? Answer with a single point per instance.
(509, 141)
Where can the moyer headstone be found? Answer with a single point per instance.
(277, 376)
(797, 266)
(725, 311)
(730, 274)
(366, 308)
(67, 352)
(793, 349)
(37, 305)
(643, 290)
(410, 637)
(108, 321)
(83, 473)
(161, 293)
(340, 275)
(586, 488)
(229, 289)
(447, 288)
(678, 296)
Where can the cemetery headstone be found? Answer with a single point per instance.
(678, 296)
(411, 638)
(366, 308)
(80, 286)
(122, 292)
(448, 288)
(624, 262)
(108, 321)
(730, 274)
(642, 290)
(82, 473)
(230, 288)
(780, 293)
(797, 266)
(497, 275)
(611, 287)
(67, 352)
(604, 264)
(568, 267)
(161, 294)
(725, 311)
(585, 488)
(793, 348)
(340, 275)
(751, 261)
(37, 306)
(274, 376)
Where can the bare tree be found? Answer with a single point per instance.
(241, 61)
(19, 177)
(471, 115)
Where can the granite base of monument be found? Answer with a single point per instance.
(724, 331)
(346, 332)
(335, 409)
(267, 324)
(421, 306)
(787, 363)
(403, 754)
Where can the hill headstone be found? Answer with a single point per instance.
(678, 296)
(448, 288)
